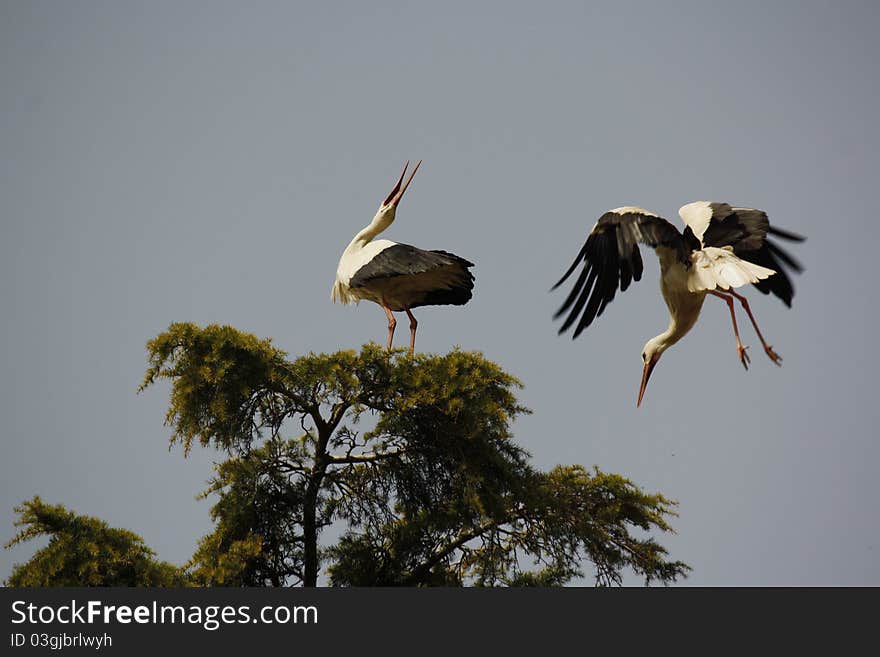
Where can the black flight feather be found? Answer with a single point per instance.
(611, 259)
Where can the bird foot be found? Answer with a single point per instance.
(743, 356)
(776, 358)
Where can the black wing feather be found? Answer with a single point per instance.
(581, 292)
(626, 272)
(610, 259)
(785, 257)
(772, 256)
(784, 234)
(742, 228)
(746, 230)
(404, 260)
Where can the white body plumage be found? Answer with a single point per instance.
(355, 256)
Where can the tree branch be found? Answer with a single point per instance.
(444, 551)
(367, 457)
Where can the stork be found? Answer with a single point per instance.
(721, 248)
(399, 276)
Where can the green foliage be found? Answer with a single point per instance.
(256, 542)
(554, 520)
(412, 457)
(84, 551)
(224, 382)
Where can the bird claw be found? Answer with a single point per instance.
(776, 358)
(743, 356)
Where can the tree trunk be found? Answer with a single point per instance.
(310, 538)
(310, 503)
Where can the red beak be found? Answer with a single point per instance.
(646, 374)
(398, 191)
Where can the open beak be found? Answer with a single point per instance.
(646, 374)
(398, 191)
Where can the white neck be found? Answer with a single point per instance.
(379, 223)
(670, 336)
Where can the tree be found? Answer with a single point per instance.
(84, 551)
(410, 458)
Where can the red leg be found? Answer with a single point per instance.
(743, 356)
(776, 358)
(413, 325)
(392, 323)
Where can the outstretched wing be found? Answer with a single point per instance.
(747, 230)
(611, 258)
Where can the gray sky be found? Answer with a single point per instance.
(208, 162)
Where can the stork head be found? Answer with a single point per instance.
(650, 356)
(389, 205)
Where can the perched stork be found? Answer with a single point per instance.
(721, 248)
(399, 276)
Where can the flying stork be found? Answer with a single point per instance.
(399, 276)
(721, 248)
